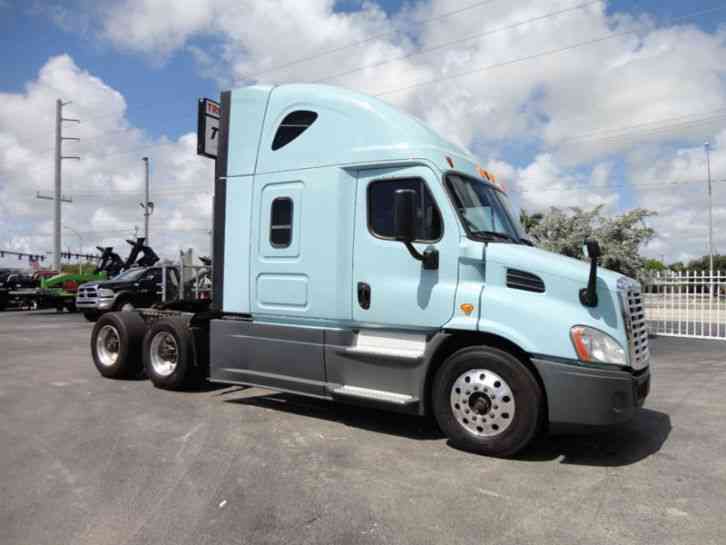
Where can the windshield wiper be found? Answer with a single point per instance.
(495, 234)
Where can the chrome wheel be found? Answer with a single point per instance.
(107, 345)
(482, 403)
(164, 353)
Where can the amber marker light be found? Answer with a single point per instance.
(466, 308)
(578, 340)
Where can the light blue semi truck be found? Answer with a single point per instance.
(360, 257)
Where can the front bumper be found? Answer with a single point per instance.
(95, 302)
(581, 396)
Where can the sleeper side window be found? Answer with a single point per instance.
(281, 222)
(292, 126)
(381, 209)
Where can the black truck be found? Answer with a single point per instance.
(139, 287)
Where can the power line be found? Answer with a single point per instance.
(625, 133)
(321, 54)
(594, 134)
(461, 74)
(366, 40)
(591, 136)
(664, 130)
(458, 41)
(593, 188)
(541, 54)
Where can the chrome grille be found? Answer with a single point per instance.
(86, 293)
(637, 328)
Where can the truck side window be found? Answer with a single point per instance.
(281, 222)
(152, 276)
(380, 209)
(292, 126)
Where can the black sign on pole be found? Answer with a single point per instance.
(208, 114)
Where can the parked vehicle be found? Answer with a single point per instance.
(17, 289)
(132, 283)
(135, 288)
(59, 291)
(360, 257)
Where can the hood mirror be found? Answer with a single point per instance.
(591, 249)
(588, 296)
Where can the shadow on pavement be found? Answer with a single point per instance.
(403, 425)
(618, 446)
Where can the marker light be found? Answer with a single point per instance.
(466, 308)
(594, 346)
(483, 173)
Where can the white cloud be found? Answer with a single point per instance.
(544, 183)
(107, 183)
(682, 221)
(642, 73)
(635, 98)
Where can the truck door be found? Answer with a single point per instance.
(148, 288)
(390, 287)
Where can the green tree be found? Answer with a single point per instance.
(702, 264)
(564, 230)
(654, 265)
(528, 221)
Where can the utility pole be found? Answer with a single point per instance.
(57, 197)
(146, 205)
(707, 147)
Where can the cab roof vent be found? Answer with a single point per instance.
(522, 280)
(292, 126)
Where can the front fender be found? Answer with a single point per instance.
(540, 323)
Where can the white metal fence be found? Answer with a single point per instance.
(686, 304)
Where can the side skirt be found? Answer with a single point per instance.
(374, 368)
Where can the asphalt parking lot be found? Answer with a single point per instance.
(87, 460)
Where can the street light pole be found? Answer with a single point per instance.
(80, 250)
(146, 200)
(707, 147)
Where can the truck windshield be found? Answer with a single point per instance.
(132, 274)
(486, 212)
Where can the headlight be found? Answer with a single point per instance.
(594, 346)
(105, 292)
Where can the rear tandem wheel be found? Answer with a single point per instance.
(116, 344)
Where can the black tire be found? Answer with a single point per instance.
(118, 305)
(526, 399)
(71, 307)
(91, 315)
(183, 373)
(129, 328)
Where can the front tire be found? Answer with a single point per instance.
(487, 401)
(169, 354)
(116, 344)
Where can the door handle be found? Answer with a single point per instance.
(364, 295)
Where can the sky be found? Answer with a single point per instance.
(570, 102)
